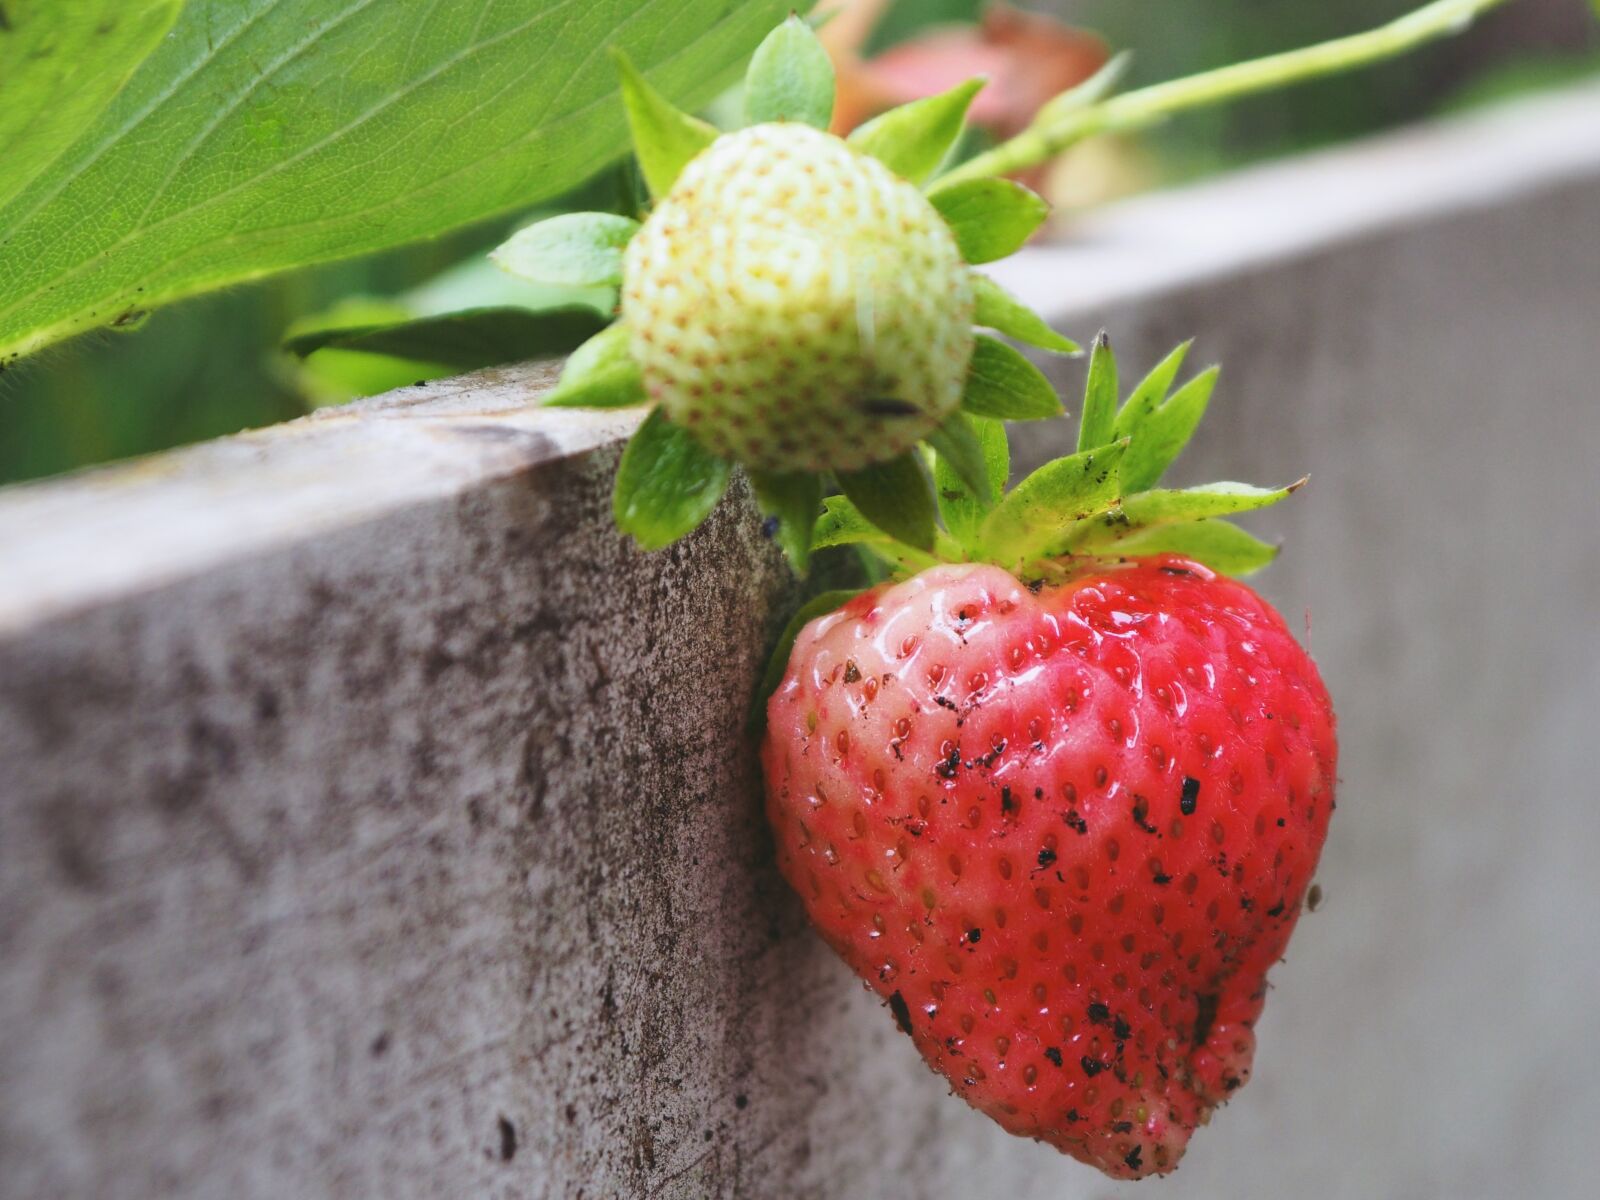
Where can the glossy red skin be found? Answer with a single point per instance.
(979, 792)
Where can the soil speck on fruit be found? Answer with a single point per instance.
(902, 1013)
(1191, 793)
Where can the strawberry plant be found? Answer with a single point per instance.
(804, 305)
(1056, 789)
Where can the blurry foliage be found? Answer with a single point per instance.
(212, 366)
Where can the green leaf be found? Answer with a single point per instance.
(1218, 544)
(583, 249)
(1099, 397)
(963, 507)
(914, 139)
(1002, 383)
(778, 664)
(665, 139)
(464, 341)
(600, 374)
(792, 501)
(790, 78)
(999, 309)
(61, 63)
(1151, 392)
(895, 497)
(1164, 433)
(262, 135)
(842, 524)
(1037, 518)
(991, 218)
(956, 445)
(667, 483)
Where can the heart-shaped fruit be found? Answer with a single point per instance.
(1064, 830)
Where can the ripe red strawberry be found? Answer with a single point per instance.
(1064, 831)
(1059, 797)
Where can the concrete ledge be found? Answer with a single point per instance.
(375, 822)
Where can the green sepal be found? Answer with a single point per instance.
(956, 448)
(915, 139)
(998, 309)
(843, 524)
(1097, 426)
(1038, 517)
(667, 483)
(1161, 436)
(600, 374)
(790, 78)
(664, 139)
(963, 507)
(1002, 383)
(1154, 509)
(818, 606)
(894, 496)
(991, 218)
(1220, 545)
(583, 249)
(791, 501)
(1150, 393)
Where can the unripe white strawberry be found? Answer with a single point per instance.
(797, 306)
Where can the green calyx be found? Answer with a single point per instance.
(1101, 502)
(673, 474)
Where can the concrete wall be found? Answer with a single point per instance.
(374, 822)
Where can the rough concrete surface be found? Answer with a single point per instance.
(374, 822)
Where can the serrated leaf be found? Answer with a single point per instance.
(1162, 435)
(896, 497)
(464, 341)
(667, 483)
(999, 309)
(790, 78)
(1038, 517)
(1217, 543)
(600, 374)
(914, 139)
(778, 664)
(1151, 392)
(963, 507)
(957, 449)
(1099, 397)
(264, 135)
(1002, 383)
(842, 524)
(790, 502)
(61, 63)
(991, 218)
(583, 249)
(1153, 509)
(665, 139)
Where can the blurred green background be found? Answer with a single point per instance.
(211, 366)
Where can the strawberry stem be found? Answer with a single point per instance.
(1151, 105)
